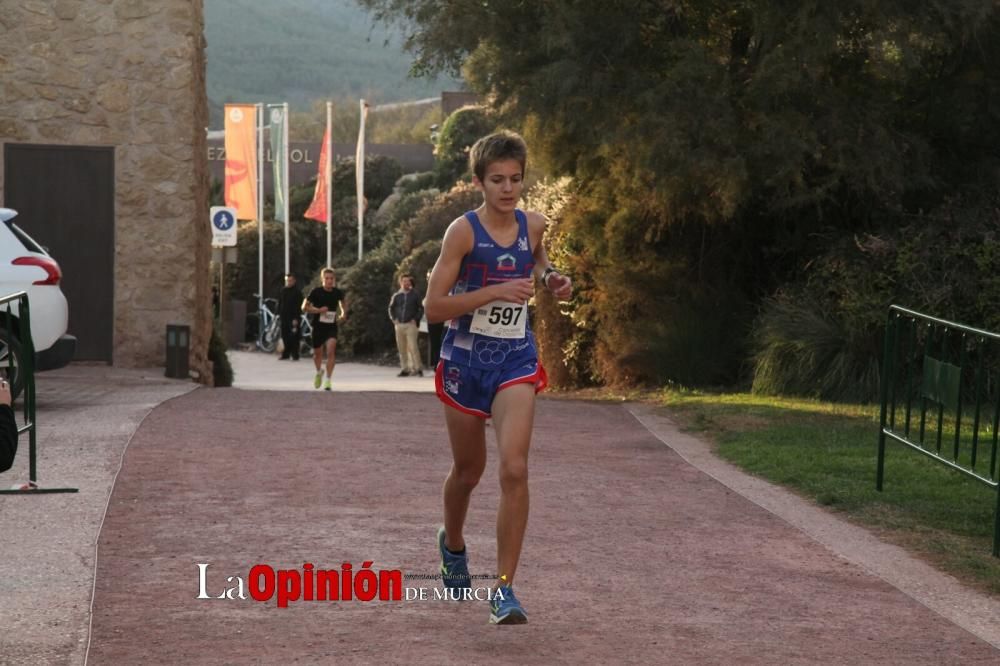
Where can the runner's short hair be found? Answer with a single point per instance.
(502, 145)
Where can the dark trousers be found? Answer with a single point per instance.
(291, 334)
(434, 334)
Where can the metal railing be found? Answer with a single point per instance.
(21, 372)
(952, 370)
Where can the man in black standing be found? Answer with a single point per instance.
(290, 311)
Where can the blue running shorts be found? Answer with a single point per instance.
(471, 390)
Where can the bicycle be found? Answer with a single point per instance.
(305, 338)
(268, 325)
(269, 332)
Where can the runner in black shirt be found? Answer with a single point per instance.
(323, 305)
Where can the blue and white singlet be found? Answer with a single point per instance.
(489, 263)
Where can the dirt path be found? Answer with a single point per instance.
(632, 554)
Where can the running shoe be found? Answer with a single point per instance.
(318, 380)
(326, 387)
(506, 610)
(454, 568)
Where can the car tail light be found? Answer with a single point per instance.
(54, 275)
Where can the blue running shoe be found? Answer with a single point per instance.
(454, 569)
(508, 609)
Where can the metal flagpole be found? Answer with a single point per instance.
(260, 207)
(287, 185)
(359, 178)
(329, 184)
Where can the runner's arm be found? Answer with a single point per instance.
(555, 281)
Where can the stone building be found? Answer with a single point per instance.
(102, 132)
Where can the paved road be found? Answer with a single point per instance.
(89, 414)
(86, 417)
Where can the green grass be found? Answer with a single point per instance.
(827, 452)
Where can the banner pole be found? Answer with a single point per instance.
(284, 177)
(260, 206)
(359, 179)
(329, 185)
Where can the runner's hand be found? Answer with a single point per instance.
(560, 285)
(514, 291)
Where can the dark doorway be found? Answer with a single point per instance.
(64, 196)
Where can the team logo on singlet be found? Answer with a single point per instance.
(522, 243)
(506, 262)
(453, 381)
(493, 352)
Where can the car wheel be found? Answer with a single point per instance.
(11, 361)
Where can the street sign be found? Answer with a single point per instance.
(223, 226)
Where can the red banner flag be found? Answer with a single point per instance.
(317, 209)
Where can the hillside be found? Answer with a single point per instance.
(304, 50)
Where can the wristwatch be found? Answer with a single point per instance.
(546, 273)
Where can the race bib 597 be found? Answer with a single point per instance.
(500, 319)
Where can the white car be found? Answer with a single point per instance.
(26, 266)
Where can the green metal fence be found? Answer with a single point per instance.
(19, 364)
(951, 373)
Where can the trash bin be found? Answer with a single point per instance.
(236, 323)
(178, 344)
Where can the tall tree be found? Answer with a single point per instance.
(711, 141)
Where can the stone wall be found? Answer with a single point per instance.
(128, 74)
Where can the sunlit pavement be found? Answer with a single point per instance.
(260, 371)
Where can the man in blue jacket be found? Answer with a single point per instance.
(405, 310)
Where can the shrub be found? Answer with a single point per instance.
(418, 263)
(414, 182)
(371, 282)
(368, 286)
(381, 174)
(222, 370)
(823, 335)
(802, 350)
(460, 130)
(560, 340)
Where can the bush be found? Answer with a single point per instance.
(406, 208)
(414, 182)
(411, 246)
(822, 336)
(222, 370)
(559, 339)
(418, 263)
(369, 286)
(802, 350)
(451, 154)
(381, 174)
(432, 219)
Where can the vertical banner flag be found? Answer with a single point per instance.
(359, 177)
(278, 157)
(241, 160)
(317, 209)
